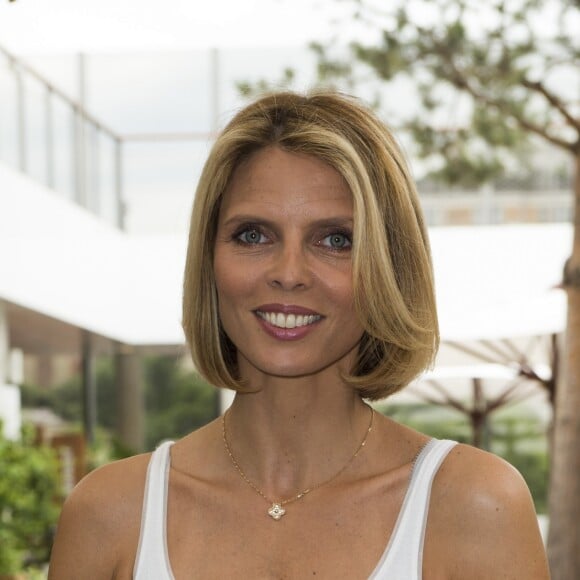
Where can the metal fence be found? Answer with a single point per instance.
(51, 137)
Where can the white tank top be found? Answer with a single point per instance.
(401, 560)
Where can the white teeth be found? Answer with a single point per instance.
(288, 320)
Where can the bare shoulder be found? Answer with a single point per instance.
(99, 525)
(480, 478)
(482, 518)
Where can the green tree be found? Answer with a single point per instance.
(177, 401)
(510, 68)
(29, 488)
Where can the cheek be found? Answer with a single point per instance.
(232, 279)
(337, 286)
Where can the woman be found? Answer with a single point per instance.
(308, 287)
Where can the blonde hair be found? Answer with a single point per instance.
(392, 273)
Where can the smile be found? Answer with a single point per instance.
(282, 320)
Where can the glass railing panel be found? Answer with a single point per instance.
(101, 177)
(8, 114)
(160, 181)
(36, 129)
(62, 149)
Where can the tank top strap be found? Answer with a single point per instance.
(403, 557)
(152, 558)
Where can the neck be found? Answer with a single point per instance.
(296, 432)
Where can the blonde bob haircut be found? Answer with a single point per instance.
(392, 273)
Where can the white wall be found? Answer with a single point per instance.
(60, 260)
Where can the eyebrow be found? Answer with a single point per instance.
(337, 221)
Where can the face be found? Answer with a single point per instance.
(283, 266)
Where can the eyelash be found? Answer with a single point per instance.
(340, 232)
(246, 229)
(236, 237)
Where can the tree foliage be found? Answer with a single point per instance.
(178, 401)
(29, 488)
(487, 76)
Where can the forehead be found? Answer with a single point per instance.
(277, 179)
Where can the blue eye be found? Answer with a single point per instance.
(337, 241)
(251, 237)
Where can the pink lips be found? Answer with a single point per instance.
(287, 333)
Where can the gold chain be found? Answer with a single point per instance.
(276, 511)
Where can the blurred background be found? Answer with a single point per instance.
(107, 112)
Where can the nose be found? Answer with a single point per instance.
(290, 268)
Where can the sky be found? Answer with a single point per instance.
(111, 25)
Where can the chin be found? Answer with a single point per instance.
(289, 371)
(290, 368)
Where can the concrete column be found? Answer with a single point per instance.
(89, 385)
(4, 344)
(44, 370)
(130, 398)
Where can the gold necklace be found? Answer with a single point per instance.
(276, 510)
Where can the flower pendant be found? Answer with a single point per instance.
(276, 511)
